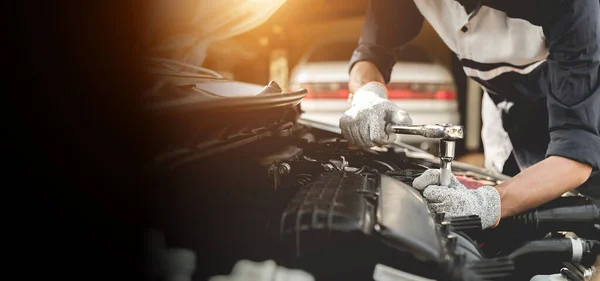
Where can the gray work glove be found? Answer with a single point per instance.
(456, 200)
(364, 124)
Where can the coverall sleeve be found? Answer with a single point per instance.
(389, 24)
(574, 83)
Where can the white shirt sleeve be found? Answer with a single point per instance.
(496, 143)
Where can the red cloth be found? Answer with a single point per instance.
(469, 182)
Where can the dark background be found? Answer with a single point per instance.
(76, 140)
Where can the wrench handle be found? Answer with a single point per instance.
(447, 132)
(404, 129)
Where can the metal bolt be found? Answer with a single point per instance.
(377, 227)
(439, 217)
(566, 273)
(284, 169)
(451, 243)
(445, 228)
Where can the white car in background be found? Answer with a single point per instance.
(418, 84)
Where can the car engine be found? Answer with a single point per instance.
(312, 202)
(247, 184)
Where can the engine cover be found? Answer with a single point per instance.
(404, 220)
(343, 215)
(335, 202)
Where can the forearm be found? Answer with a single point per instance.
(362, 73)
(541, 183)
(388, 25)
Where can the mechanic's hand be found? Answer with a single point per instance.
(456, 200)
(364, 124)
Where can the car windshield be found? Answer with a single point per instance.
(342, 51)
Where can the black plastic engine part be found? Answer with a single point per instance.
(346, 203)
(574, 213)
(324, 227)
(405, 176)
(467, 224)
(467, 247)
(554, 249)
(535, 257)
(404, 220)
(330, 203)
(486, 270)
(342, 224)
(591, 250)
(467, 262)
(293, 173)
(575, 272)
(547, 255)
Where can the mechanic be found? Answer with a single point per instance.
(538, 63)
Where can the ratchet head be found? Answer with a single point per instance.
(438, 131)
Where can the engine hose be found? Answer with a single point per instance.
(387, 165)
(569, 214)
(361, 170)
(557, 250)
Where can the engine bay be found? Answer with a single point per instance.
(308, 200)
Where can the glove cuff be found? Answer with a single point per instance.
(374, 87)
(490, 215)
(369, 93)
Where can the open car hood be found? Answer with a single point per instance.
(179, 33)
(206, 103)
(179, 88)
(191, 25)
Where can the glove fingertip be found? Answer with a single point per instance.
(348, 134)
(400, 117)
(432, 189)
(436, 193)
(429, 177)
(367, 137)
(436, 207)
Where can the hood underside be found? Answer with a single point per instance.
(183, 29)
(178, 88)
